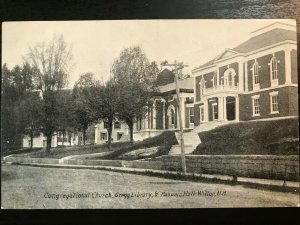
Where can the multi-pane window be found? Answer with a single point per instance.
(191, 115)
(255, 73)
(274, 75)
(230, 79)
(255, 105)
(274, 103)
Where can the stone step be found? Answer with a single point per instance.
(176, 149)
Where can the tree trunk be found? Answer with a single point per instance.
(48, 146)
(31, 141)
(84, 134)
(63, 138)
(131, 131)
(57, 138)
(109, 130)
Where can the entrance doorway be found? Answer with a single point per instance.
(230, 106)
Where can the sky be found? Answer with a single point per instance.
(95, 44)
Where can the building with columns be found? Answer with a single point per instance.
(255, 80)
(162, 114)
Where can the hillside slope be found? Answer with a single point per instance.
(276, 137)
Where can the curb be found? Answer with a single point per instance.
(276, 185)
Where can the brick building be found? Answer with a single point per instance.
(255, 80)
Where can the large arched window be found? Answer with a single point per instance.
(229, 77)
(255, 73)
(273, 66)
(171, 115)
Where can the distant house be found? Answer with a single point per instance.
(120, 132)
(58, 139)
(255, 80)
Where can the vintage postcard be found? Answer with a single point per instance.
(149, 114)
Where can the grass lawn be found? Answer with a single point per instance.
(19, 151)
(277, 137)
(61, 152)
(163, 141)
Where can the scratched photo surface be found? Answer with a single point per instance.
(174, 113)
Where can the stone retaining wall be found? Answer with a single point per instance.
(260, 166)
(13, 159)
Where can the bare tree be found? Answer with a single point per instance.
(52, 61)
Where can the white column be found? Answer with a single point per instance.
(237, 108)
(164, 116)
(146, 119)
(288, 69)
(220, 108)
(96, 135)
(154, 115)
(241, 76)
(246, 76)
(225, 108)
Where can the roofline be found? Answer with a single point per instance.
(247, 53)
(262, 28)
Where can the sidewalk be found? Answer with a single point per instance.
(213, 178)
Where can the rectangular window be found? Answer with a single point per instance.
(117, 125)
(119, 135)
(215, 111)
(191, 115)
(105, 125)
(274, 102)
(103, 136)
(255, 105)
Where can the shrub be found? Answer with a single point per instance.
(277, 137)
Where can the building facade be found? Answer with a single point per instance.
(255, 80)
(162, 114)
(119, 132)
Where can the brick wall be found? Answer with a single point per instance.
(197, 91)
(287, 103)
(270, 167)
(197, 114)
(293, 101)
(264, 70)
(294, 67)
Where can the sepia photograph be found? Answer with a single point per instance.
(149, 114)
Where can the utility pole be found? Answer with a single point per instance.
(179, 66)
